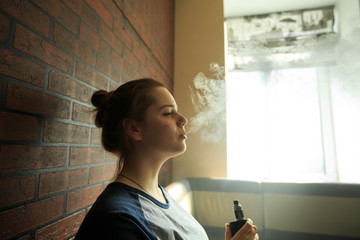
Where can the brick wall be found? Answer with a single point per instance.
(53, 55)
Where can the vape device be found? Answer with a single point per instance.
(239, 216)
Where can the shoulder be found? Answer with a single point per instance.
(117, 197)
(114, 226)
(117, 212)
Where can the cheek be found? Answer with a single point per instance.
(164, 128)
(165, 131)
(159, 129)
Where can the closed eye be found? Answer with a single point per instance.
(167, 114)
(168, 110)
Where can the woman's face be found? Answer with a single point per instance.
(163, 129)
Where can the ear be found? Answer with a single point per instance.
(132, 129)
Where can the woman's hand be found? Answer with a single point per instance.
(247, 232)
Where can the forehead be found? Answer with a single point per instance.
(163, 97)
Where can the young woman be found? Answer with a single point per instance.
(141, 125)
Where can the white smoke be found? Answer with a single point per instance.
(347, 71)
(208, 96)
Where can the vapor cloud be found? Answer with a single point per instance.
(208, 96)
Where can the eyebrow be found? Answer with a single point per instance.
(168, 105)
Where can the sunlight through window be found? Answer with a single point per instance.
(274, 125)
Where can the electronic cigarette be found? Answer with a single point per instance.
(239, 216)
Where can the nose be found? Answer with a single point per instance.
(182, 121)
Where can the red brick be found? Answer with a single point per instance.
(120, 31)
(18, 127)
(16, 189)
(33, 101)
(26, 237)
(125, 78)
(54, 182)
(102, 173)
(29, 71)
(82, 114)
(82, 198)
(120, 62)
(93, 39)
(86, 155)
(88, 209)
(146, 27)
(107, 68)
(128, 14)
(21, 219)
(119, 3)
(137, 75)
(96, 136)
(113, 8)
(28, 14)
(4, 28)
(89, 76)
(110, 38)
(68, 87)
(150, 66)
(84, 11)
(20, 158)
(144, 70)
(139, 53)
(70, 43)
(135, 7)
(101, 11)
(60, 12)
(133, 34)
(145, 37)
(33, 45)
(110, 157)
(146, 51)
(129, 56)
(61, 229)
(61, 132)
(113, 86)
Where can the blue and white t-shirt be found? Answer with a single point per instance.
(124, 212)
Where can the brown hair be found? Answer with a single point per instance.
(131, 101)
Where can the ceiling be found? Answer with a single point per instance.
(234, 8)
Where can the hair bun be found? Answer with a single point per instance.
(100, 100)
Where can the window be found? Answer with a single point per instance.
(292, 114)
(275, 128)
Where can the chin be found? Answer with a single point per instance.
(180, 151)
(183, 149)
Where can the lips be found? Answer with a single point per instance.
(183, 135)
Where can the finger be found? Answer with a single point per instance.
(248, 231)
(227, 232)
(257, 237)
(245, 230)
(254, 228)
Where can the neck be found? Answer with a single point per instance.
(146, 178)
(142, 174)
